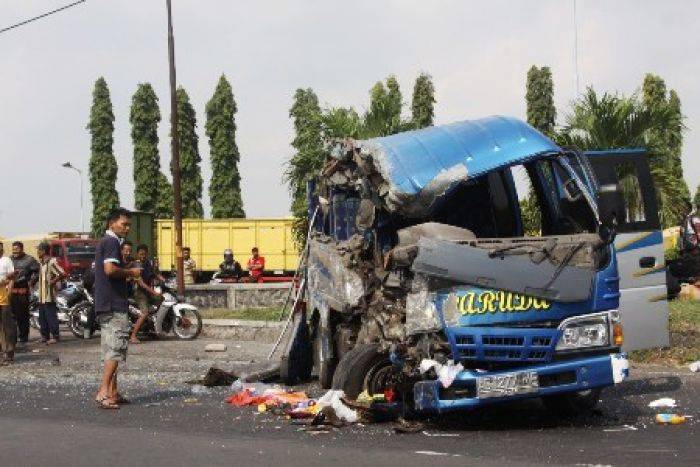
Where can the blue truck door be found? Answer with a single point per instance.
(639, 244)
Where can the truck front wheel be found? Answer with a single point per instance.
(364, 368)
(576, 403)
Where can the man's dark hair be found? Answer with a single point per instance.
(255, 248)
(116, 213)
(19, 244)
(141, 247)
(43, 246)
(127, 242)
(186, 248)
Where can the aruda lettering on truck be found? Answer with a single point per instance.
(420, 278)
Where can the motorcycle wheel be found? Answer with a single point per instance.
(188, 325)
(74, 324)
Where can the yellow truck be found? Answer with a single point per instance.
(208, 238)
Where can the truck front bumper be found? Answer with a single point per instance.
(554, 378)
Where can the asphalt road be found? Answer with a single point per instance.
(47, 417)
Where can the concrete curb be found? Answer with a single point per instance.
(242, 330)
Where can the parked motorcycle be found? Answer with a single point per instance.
(66, 299)
(173, 315)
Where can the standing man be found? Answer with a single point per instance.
(111, 304)
(50, 273)
(144, 294)
(26, 275)
(189, 266)
(256, 266)
(8, 327)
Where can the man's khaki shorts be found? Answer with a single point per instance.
(114, 331)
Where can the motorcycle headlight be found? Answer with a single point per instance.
(61, 302)
(594, 330)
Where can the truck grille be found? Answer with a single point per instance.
(503, 344)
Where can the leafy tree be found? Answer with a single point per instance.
(308, 157)
(696, 199)
(541, 114)
(164, 205)
(144, 118)
(539, 96)
(667, 142)
(225, 187)
(103, 165)
(190, 172)
(384, 115)
(614, 121)
(423, 102)
(341, 122)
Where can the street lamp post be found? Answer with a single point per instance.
(68, 165)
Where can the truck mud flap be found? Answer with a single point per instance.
(465, 264)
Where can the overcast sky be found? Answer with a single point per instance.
(478, 53)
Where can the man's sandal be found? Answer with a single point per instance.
(107, 403)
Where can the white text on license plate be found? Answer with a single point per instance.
(507, 384)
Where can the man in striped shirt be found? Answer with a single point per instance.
(50, 273)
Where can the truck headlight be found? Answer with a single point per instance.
(594, 330)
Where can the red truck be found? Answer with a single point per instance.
(74, 254)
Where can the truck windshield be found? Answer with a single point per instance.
(80, 251)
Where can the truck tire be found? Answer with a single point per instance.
(362, 368)
(576, 403)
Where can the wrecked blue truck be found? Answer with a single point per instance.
(421, 283)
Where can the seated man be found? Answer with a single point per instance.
(256, 266)
(230, 269)
(189, 266)
(144, 294)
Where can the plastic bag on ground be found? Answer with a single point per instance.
(332, 399)
(695, 367)
(665, 402)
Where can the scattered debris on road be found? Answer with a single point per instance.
(669, 419)
(215, 348)
(665, 402)
(215, 377)
(695, 367)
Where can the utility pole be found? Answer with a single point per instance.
(175, 159)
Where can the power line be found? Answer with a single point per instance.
(41, 16)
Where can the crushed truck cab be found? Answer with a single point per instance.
(421, 282)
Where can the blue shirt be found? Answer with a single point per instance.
(111, 294)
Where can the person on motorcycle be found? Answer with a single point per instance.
(144, 294)
(230, 268)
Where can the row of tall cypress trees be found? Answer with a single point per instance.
(152, 190)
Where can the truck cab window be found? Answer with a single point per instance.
(484, 205)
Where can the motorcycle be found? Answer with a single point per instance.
(173, 315)
(66, 299)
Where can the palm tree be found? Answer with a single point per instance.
(612, 121)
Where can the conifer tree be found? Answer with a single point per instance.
(103, 165)
(308, 157)
(423, 102)
(144, 118)
(190, 172)
(225, 187)
(164, 206)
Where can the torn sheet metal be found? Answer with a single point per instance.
(419, 167)
(446, 373)
(470, 265)
(329, 274)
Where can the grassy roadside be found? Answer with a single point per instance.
(255, 314)
(684, 324)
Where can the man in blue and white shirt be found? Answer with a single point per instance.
(111, 304)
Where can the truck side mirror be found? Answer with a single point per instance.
(572, 190)
(610, 204)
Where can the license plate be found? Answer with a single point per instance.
(508, 384)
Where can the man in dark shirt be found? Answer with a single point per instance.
(144, 294)
(26, 275)
(111, 304)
